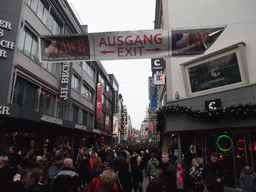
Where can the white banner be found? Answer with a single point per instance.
(159, 43)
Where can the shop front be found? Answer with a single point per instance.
(234, 148)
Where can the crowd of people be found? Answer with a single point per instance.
(111, 169)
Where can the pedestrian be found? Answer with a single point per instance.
(39, 162)
(33, 182)
(182, 178)
(53, 171)
(124, 177)
(146, 158)
(66, 180)
(151, 168)
(167, 172)
(22, 175)
(214, 174)
(136, 167)
(96, 170)
(106, 182)
(6, 173)
(196, 174)
(156, 185)
(247, 179)
(14, 158)
(93, 156)
(83, 168)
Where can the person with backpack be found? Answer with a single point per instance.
(53, 171)
(151, 169)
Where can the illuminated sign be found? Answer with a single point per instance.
(223, 144)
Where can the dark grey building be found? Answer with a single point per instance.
(34, 111)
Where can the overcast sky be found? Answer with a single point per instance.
(122, 15)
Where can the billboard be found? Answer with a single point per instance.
(158, 43)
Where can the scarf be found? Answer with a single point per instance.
(180, 178)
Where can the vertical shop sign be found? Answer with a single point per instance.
(115, 126)
(99, 101)
(65, 84)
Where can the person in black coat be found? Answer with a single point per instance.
(6, 173)
(83, 168)
(14, 158)
(167, 171)
(214, 174)
(137, 174)
(196, 174)
(124, 178)
(67, 180)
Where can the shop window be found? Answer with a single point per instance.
(221, 70)
(75, 82)
(46, 102)
(75, 115)
(25, 94)
(90, 120)
(19, 92)
(66, 113)
(28, 43)
(50, 67)
(85, 114)
(43, 13)
(89, 69)
(87, 93)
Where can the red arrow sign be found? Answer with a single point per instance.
(156, 49)
(105, 52)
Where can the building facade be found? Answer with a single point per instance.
(207, 103)
(47, 104)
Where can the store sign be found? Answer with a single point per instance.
(99, 101)
(81, 127)
(4, 110)
(152, 93)
(97, 131)
(157, 64)
(115, 126)
(115, 101)
(159, 79)
(65, 83)
(158, 43)
(212, 104)
(5, 25)
(50, 119)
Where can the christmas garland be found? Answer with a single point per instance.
(239, 111)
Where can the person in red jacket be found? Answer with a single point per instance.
(93, 156)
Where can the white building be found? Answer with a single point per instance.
(222, 79)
